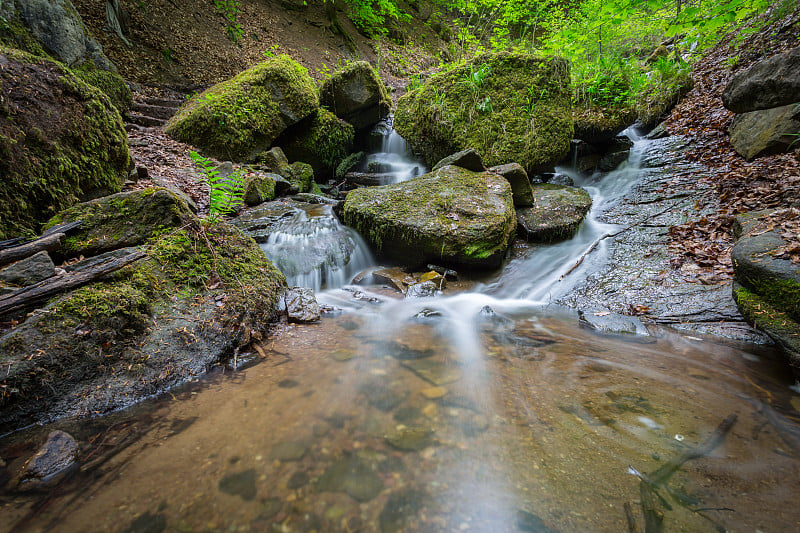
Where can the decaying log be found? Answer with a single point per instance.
(43, 290)
(49, 243)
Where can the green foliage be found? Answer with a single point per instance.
(226, 192)
(229, 9)
(372, 17)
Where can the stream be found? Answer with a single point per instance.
(487, 410)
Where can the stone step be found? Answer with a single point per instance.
(144, 120)
(155, 111)
(162, 102)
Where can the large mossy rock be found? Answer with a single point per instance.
(768, 131)
(61, 142)
(121, 220)
(510, 107)
(452, 216)
(241, 117)
(773, 82)
(557, 212)
(600, 125)
(322, 140)
(357, 95)
(767, 288)
(200, 292)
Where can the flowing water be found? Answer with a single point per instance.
(395, 157)
(482, 411)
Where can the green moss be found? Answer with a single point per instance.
(13, 34)
(776, 323)
(593, 122)
(302, 175)
(661, 96)
(517, 111)
(323, 141)
(110, 83)
(241, 117)
(348, 164)
(60, 144)
(782, 294)
(259, 188)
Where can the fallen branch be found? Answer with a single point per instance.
(49, 243)
(43, 290)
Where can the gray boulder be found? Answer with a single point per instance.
(468, 159)
(451, 215)
(520, 184)
(773, 82)
(28, 271)
(770, 131)
(301, 305)
(557, 212)
(57, 25)
(356, 95)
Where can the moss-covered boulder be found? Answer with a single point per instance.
(301, 175)
(61, 142)
(510, 107)
(557, 212)
(322, 140)
(241, 117)
(452, 216)
(121, 220)
(356, 94)
(599, 125)
(259, 188)
(199, 293)
(767, 289)
(110, 83)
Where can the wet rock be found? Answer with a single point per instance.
(407, 415)
(28, 271)
(273, 160)
(771, 131)
(401, 510)
(520, 184)
(404, 352)
(474, 425)
(288, 451)
(451, 215)
(393, 277)
(659, 132)
(242, 484)
(353, 476)
(434, 371)
(356, 94)
(411, 438)
(424, 289)
(612, 160)
(557, 212)
(531, 523)
(433, 393)
(382, 397)
(311, 198)
(773, 82)
(278, 93)
(49, 464)
(297, 480)
(147, 523)
(564, 180)
(610, 323)
(434, 277)
(446, 272)
(301, 305)
(467, 159)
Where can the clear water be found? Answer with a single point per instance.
(482, 411)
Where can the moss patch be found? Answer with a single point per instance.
(597, 124)
(451, 215)
(778, 325)
(110, 83)
(509, 107)
(322, 140)
(238, 118)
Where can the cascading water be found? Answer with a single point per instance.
(395, 159)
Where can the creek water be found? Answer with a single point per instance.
(487, 410)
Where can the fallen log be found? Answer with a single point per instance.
(48, 288)
(50, 243)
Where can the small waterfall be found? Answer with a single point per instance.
(395, 158)
(309, 244)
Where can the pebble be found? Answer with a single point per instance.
(433, 393)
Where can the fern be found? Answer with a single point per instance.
(226, 193)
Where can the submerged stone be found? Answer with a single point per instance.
(147, 523)
(433, 371)
(49, 464)
(289, 451)
(301, 305)
(242, 484)
(450, 215)
(353, 476)
(411, 438)
(401, 510)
